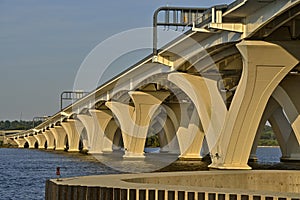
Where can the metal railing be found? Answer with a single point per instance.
(182, 17)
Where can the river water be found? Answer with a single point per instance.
(23, 172)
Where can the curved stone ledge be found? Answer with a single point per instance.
(239, 185)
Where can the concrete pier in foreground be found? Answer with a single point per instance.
(204, 185)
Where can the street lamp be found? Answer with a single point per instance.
(37, 119)
(71, 95)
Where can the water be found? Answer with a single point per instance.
(268, 154)
(23, 172)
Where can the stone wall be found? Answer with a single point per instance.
(209, 185)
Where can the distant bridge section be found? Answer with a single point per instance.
(5, 136)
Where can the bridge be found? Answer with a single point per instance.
(210, 91)
(4, 136)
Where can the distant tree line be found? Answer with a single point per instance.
(18, 125)
(268, 137)
(152, 141)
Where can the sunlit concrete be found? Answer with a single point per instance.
(31, 141)
(113, 137)
(101, 142)
(163, 124)
(41, 139)
(261, 74)
(190, 134)
(20, 141)
(73, 129)
(289, 99)
(50, 139)
(170, 124)
(60, 136)
(134, 121)
(209, 104)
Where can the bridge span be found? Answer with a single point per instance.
(210, 91)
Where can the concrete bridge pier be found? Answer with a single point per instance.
(209, 104)
(100, 142)
(41, 139)
(50, 139)
(88, 123)
(135, 121)
(271, 107)
(172, 140)
(84, 140)
(31, 141)
(230, 133)
(288, 97)
(283, 131)
(190, 133)
(73, 129)
(112, 138)
(286, 137)
(60, 136)
(20, 141)
(191, 138)
(170, 125)
(264, 66)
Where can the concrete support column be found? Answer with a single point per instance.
(73, 129)
(101, 118)
(289, 98)
(191, 138)
(84, 139)
(271, 107)
(31, 141)
(264, 66)
(170, 134)
(208, 101)
(190, 134)
(112, 137)
(20, 141)
(59, 134)
(283, 130)
(50, 139)
(7, 140)
(285, 135)
(169, 141)
(120, 110)
(170, 126)
(135, 121)
(88, 123)
(41, 139)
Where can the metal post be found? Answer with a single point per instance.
(71, 95)
(168, 21)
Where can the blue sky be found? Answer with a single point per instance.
(44, 42)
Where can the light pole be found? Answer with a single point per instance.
(36, 119)
(71, 95)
